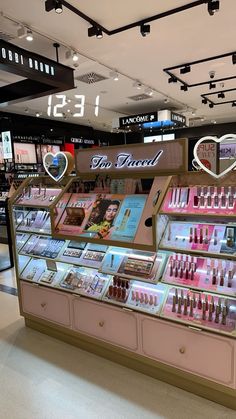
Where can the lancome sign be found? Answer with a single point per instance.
(138, 119)
(162, 157)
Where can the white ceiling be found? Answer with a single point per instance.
(177, 39)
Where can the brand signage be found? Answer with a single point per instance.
(42, 76)
(6, 145)
(34, 139)
(123, 160)
(178, 119)
(82, 141)
(137, 119)
(168, 157)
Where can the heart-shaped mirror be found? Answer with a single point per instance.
(216, 156)
(57, 165)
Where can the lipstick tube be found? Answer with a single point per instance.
(188, 300)
(179, 306)
(209, 201)
(176, 295)
(230, 202)
(206, 302)
(224, 315)
(141, 297)
(171, 267)
(146, 298)
(215, 237)
(223, 201)
(192, 275)
(155, 300)
(210, 313)
(203, 310)
(195, 235)
(230, 278)
(216, 201)
(217, 314)
(194, 301)
(222, 277)
(191, 308)
(199, 303)
(151, 299)
(213, 303)
(202, 201)
(181, 272)
(195, 201)
(201, 236)
(173, 304)
(206, 236)
(182, 296)
(214, 279)
(185, 307)
(191, 235)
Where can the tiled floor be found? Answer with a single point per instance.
(42, 378)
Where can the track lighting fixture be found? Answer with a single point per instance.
(203, 119)
(54, 4)
(213, 6)
(37, 114)
(184, 88)
(26, 33)
(212, 86)
(149, 91)
(172, 79)
(211, 105)
(186, 69)
(75, 56)
(233, 104)
(145, 29)
(114, 75)
(234, 58)
(221, 95)
(204, 101)
(29, 35)
(95, 31)
(166, 100)
(137, 85)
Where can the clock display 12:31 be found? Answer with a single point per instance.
(56, 110)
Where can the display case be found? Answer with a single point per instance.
(139, 267)
(200, 235)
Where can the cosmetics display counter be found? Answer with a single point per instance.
(155, 282)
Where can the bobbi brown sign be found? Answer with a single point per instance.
(160, 157)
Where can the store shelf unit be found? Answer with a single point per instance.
(114, 293)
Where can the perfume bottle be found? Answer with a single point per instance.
(230, 237)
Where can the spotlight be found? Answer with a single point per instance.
(193, 113)
(185, 69)
(54, 4)
(145, 29)
(233, 104)
(221, 95)
(75, 56)
(137, 85)
(21, 32)
(213, 6)
(184, 87)
(203, 119)
(58, 6)
(204, 101)
(29, 35)
(166, 100)
(149, 91)
(234, 58)
(95, 31)
(37, 114)
(212, 86)
(172, 79)
(211, 105)
(114, 75)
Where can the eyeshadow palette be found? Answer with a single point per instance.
(85, 281)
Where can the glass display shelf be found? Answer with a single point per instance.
(201, 200)
(205, 238)
(133, 264)
(33, 221)
(136, 295)
(201, 273)
(39, 271)
(201, 309)
(40, 196)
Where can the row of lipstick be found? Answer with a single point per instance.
(205, 197)
(143, 298)
(183, 304)
(186, 270)
(118, 290)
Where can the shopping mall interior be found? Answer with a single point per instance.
(117, 209)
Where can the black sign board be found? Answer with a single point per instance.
(42, 76)
(137, 119)
(178, 119)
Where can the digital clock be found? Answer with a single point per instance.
(56, 109)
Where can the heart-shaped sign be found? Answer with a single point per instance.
(223, 158)
(57, 165)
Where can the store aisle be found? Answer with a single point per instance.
(42, 378)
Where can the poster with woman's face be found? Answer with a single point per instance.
(43, 149)
(103, 214)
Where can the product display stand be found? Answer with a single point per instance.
(142, 275)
